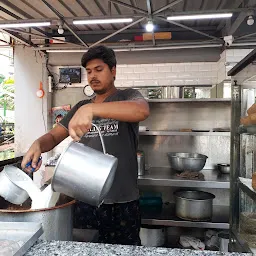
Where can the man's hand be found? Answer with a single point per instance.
(81, 122)
(33, 154)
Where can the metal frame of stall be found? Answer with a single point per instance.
(241, 139)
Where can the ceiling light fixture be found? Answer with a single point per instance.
(60, 30)
(150, 26)
(101, 21)
(25, 25)
(201, 16)
(250, 20)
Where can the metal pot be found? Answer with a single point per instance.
(187, 161)
(57, 221)
(8, 189)
(152, 236)
(194, 205)
(85, 173)
(224, 168)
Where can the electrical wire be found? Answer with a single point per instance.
(54, 86)
(43, 101)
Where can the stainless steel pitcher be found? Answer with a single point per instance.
(85, 173)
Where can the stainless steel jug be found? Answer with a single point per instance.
(85, 173)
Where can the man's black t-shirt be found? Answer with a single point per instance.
(121, 141)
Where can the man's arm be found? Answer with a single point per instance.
(125, 111)
(44, 144)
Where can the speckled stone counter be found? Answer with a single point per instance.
(60, 248)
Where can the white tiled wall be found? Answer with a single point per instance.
(197, 73)
(228, 60)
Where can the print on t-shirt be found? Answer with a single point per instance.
(108, 127)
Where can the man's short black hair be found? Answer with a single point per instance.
(107, 55)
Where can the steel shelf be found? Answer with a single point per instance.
(246, 186)
(164, 176)
(189, 100)
(167, 217)
(247, 129)
(176, 133)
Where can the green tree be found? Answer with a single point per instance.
(6, 93)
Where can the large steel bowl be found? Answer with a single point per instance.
(187, 161)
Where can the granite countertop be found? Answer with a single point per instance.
(69, 248)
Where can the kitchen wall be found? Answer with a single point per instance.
(228, 59)
(31, 112)
(155, 73)
(132, 75)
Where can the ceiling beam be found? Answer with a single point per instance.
(189, 28)
(128, 6)
(103, 12)
(237, 4)
(245, 36)
(149, 7)
(231, 28)
(18, 38)
(141, 47)
(40, 36)
(118, 31)
(135, 30)
(66, 24)
(236, 24)
(19, 18)
(167, 6)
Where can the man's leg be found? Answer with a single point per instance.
(105, 224)
(127, 221)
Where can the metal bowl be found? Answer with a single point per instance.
(224, 168)
(187, 161)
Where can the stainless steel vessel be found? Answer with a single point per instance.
(224, 168)
(170, 92)
(8, 189)
(141, 163)
(186, 161)
(84, 173)
(57, 221)
(194, 205)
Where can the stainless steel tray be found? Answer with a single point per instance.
(17, 237)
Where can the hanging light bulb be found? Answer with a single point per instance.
(150, 26)
(60, 29)
(250, 20)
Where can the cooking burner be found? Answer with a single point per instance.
(190, 175)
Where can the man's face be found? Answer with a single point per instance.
(99, 76)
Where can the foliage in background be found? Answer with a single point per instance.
(6, 101)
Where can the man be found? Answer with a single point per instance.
(117, 113)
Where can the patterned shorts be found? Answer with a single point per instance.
(117, 223)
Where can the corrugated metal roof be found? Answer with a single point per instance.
(37, 9)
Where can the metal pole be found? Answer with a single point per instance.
(18, 37)
(167, 6)
(40, 36)
(235, 156)
(66, 24)
(118, 31)
(128, 6)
